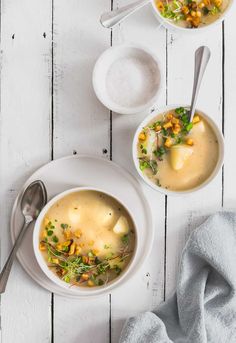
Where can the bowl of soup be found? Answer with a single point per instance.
(86, 240)
(194, 15)
(175, 156)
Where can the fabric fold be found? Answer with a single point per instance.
(203, 308)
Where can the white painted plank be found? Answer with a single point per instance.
(81, 121)
(146, 290)
(24, 146)
(81, 124)
(229, 114)
(184, 213)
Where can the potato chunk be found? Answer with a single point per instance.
(179, 154)
(74, 214)
(122, 226)
(198, 128)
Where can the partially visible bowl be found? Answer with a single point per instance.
(127, 79)
(218, 165)
(83, 291)
(174, 27)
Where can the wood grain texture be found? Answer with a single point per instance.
(148, 285)
(185, 212)
(229, 112)
(48, 51)
(81, 125)
(24, 146)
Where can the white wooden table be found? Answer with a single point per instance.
(49, 110)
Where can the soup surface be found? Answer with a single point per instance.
(175, 154)
(191, 14)
(87, 238)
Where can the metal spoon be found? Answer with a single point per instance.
(113, 18)
(33, 200)
(202, 56)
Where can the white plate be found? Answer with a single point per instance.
(83, 170)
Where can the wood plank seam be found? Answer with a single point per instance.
(52, 137)
(110, 296)
(166, 197)
(223, 103)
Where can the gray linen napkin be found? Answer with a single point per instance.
(203, 309)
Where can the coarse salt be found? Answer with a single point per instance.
(132, 81)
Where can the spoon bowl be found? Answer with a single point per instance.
(33, 200)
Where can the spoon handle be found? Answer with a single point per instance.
(202, 56)
(7, 267)
(113, 18)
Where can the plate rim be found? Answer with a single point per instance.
(136, 184)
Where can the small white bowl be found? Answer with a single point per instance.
(110, 93)
(168, 24)
(218, 166)
(81, 291)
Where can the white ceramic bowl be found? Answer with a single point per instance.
(103, 67)
(81, 291)
(171, 26)
(207, 181)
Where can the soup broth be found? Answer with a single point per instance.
(175, 154)
(87, 238)
(192, 14)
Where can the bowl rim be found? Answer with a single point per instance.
(123, 109)
(169, 25)
(83, 291)
(214, 173)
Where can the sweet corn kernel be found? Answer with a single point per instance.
(158, 128)
(201, 5)
(160, 6)
(59, 246)
(90, 283)
(193, 13)
(168, 142)
(72, 249)
(67, 243)
(189, 18)
(46, 221)
(218, 3)
(189, 141)
(95, 252)
(67, 233)
(85, 259)
(196, 119)
(142, 136)
(85, 277)
(78, 233)
(176, 129)
(196, 21)
(77, 250)
(169, 116)
(42, 246)
(167, 125)
(175, 120)
(44, 234)
(55, 260)
(199, 14)
(185, 10)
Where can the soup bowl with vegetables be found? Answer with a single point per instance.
(85, 240)
(175, 156)
(190, 14)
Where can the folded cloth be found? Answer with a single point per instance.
(203, 309)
